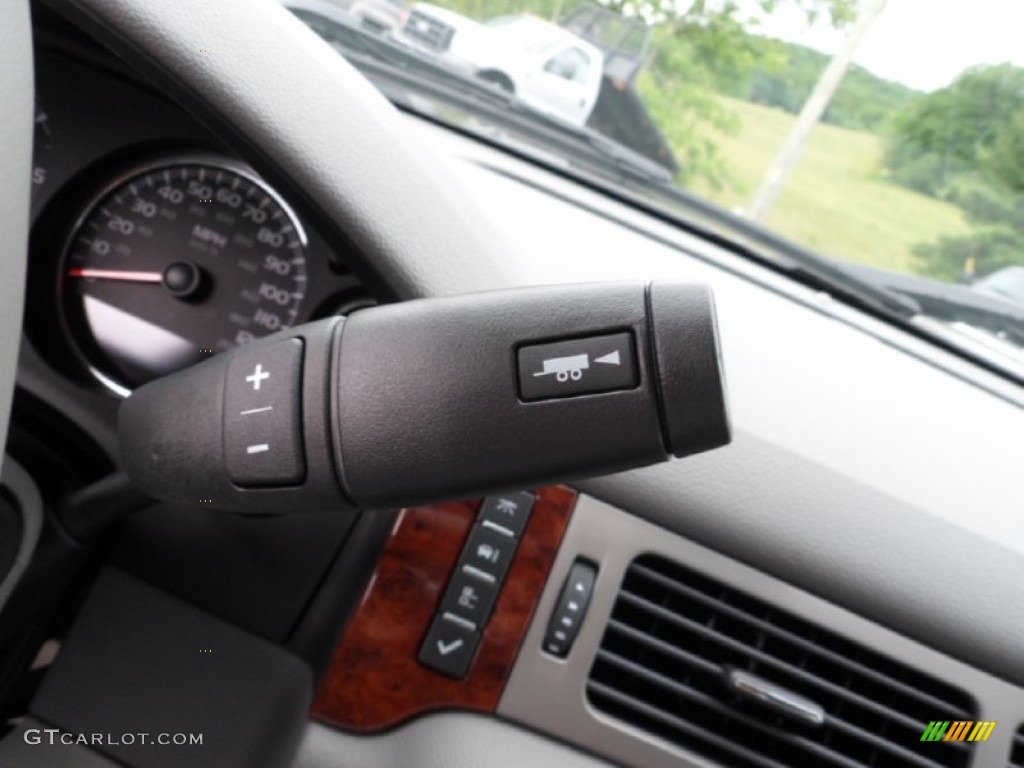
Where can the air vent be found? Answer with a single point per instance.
(1017, 750)
(675, 635)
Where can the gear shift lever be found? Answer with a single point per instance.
(437, 398)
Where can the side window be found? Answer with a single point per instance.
(571, 64)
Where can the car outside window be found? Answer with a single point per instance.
(571, 64)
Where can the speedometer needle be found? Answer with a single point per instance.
(115, 274)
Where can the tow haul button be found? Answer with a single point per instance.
(577, 367)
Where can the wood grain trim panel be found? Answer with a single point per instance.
(374, 680)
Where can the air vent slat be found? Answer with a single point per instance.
(1017, 750)
(888, 746)
(800, 642)
(723, 709)
(787, 669)
(667, 648)
(630, 702)
(674, 638)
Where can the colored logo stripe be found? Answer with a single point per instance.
(982, 730)
(958, 730)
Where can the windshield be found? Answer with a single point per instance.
(875, 146)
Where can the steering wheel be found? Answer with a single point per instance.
(310, 121)
(15, 170)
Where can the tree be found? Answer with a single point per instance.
(945, 134)
(864, 102)
(965, 144)
(703, 48)
(699, 48)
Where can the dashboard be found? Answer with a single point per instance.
(869, 505)
(153, 245)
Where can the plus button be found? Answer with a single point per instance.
(257, 376)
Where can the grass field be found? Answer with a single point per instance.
(837, 201)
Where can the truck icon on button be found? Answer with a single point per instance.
(565, 368)
(591, 364)
(573, 366)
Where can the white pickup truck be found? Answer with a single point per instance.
(545, 65)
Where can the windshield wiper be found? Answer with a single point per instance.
(952, 303)
(816, 271)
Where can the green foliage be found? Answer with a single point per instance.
(677, 88)
(996, 212)
(837, 202)
(703, 51)
(990, 248)
(685, 130)
(697, 49)
(946, 134)
(1005, 159)
(783, 74)
(965, 144)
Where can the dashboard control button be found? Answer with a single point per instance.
(489, 552)
(510, 511)
(262, 416)
(577, 367)
(570, 609)
(450, 646)
(470, 595)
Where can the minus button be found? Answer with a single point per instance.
(258, 448)
(256, 410)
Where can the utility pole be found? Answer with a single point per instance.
(815, 106)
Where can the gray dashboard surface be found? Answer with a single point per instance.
(439, 741)
(550, 694)
(15, 163)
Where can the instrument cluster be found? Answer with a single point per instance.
(153, 246)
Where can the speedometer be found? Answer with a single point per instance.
(178, 260)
